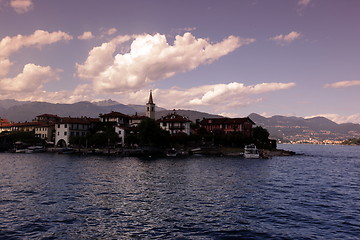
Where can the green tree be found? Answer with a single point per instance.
(102, 135)
(25, 137)
(151, 134)
(261, 136)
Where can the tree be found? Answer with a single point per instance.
(261, 135)
(26, 137)
(150, 133)
(102, 135)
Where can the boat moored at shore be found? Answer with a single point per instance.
(251, 152)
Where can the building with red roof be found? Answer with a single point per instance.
(228, 125)
(175, 123)
(72, 127)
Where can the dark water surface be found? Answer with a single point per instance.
(311, 196)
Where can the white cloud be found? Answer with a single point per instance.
(304, 2)
(86, 36)
(218, 97)
(283, 39)
(9, 45)
(343, 84)
(100, 58)
(150, 59)
(5, 65)
(111, 31)
(226, 94)
(302, 5)
(22, 6)
(354, 118)
(224, 99)
(32, 78)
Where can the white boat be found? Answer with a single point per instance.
(35, 149)
(171, 152)
(250, 151)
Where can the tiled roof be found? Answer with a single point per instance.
(3, 121)
(46, 125)
(114, 114)
(83, 120)
(174, 117)
(26, 124)
(216, 121)
(48, 115)
(138, 117)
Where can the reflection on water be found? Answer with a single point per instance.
(314, 195)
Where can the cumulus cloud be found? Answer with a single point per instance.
(283, 39)
(343, 84)
(5, 65)
(32, 78)
(150, 58)
(22, 6)
(86, 36)
(9, 45)
(217, 97)
(100, 58)
(227, 93)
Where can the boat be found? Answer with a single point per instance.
(35, 149)
(171, 152)
(250, 151)
(66, 151)
(20, 150)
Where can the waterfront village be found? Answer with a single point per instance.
(121, 134)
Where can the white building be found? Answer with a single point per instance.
(115, 117)
(46, 132)
(175, 123)
(72, 127)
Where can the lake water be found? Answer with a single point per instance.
(315, 195)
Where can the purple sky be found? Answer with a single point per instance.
(230, 57)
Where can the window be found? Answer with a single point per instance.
(58, 125)
(65, 125)
(65, 133)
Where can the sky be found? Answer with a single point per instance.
(230, 57)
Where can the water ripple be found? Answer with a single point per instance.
(312, 196)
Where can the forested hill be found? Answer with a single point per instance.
(297, 128)
(21, 111)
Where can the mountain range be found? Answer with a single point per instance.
(310, 129)
(280, 127)
(21, 111)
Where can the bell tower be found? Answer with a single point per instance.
(150, 107)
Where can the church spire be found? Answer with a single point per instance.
(151, 98)
(150, 107)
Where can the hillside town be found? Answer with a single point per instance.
(121, 129)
